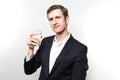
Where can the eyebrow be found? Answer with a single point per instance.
(55, 17)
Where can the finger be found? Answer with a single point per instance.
(31, 43)
(34, 42)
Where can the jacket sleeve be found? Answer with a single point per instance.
(33, 64)
(80, 65)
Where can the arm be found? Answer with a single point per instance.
(80, 66)
(30, 66)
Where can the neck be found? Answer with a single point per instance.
(61, 36)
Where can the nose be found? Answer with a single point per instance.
(54, 21)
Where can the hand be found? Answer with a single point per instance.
(33, 40)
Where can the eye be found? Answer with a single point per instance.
(50, 19)
(58, 17)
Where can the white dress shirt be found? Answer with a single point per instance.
(56, 49)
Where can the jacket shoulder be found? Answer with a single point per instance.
(49, 38)
(79, 45)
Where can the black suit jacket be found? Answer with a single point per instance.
(71, 64)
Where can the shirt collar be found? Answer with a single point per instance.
(63, 41)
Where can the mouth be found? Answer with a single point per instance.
(56, 27)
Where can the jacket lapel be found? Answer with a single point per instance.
(62, 53)
(47, 54)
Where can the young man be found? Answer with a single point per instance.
(60, 56)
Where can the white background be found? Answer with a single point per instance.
(94, 22)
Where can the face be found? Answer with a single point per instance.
(57, 21)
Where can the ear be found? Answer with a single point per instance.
(67, 19)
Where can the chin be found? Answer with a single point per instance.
(59, 32)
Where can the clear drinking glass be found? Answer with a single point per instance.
(37, 34)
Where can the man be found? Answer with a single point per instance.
(60, 56)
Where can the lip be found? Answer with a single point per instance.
(55, 27)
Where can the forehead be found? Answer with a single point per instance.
(56, 12)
